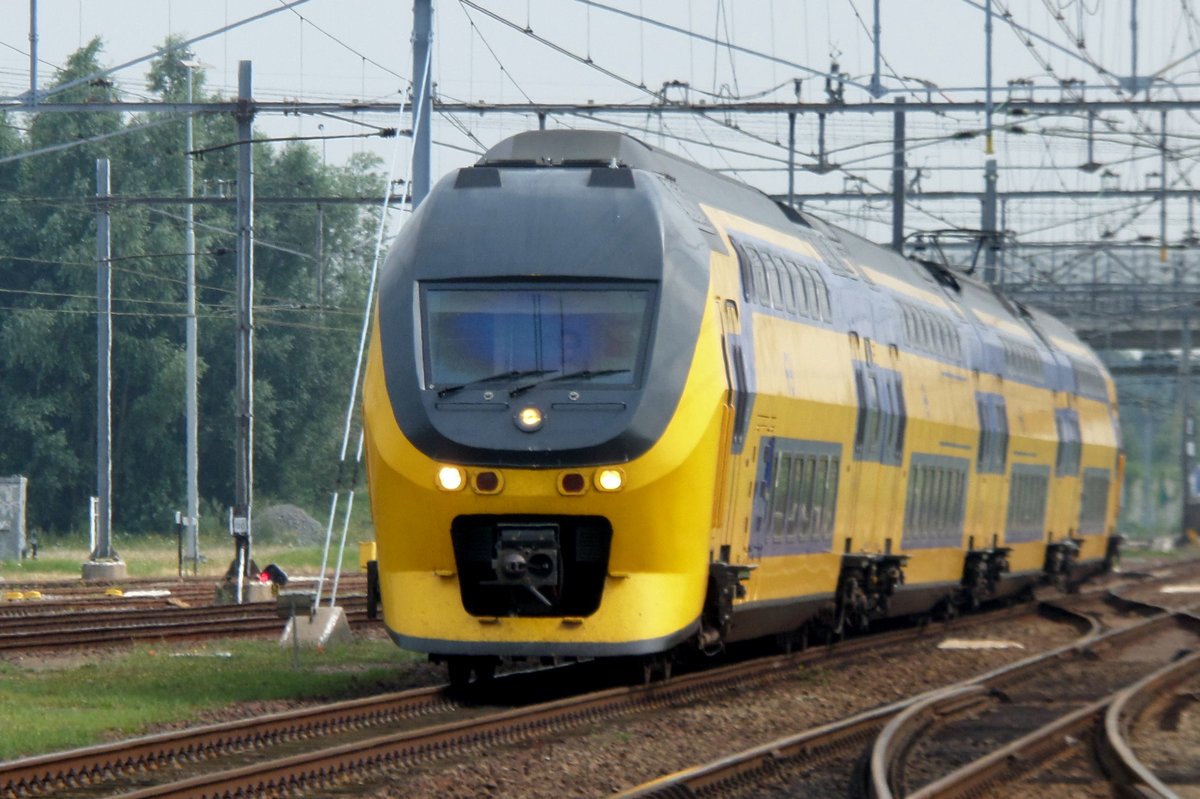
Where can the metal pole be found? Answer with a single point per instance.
(1003, 266)
(1185, 409)
(1133, 67)
(103, 550)
(989, 221)
(192, 469)
(821, 140)
(1162, 188)
(1148, 507)
(320, 247)
(244, 440)
(791, 159)
(33, 53)
(422, 39)
(987, 30)
(877, 89)
(898, 187)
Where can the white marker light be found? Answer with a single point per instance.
(450, 478)
(610, 479)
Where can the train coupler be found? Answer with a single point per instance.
(1060, 562)
(982, 571)
(725, 584)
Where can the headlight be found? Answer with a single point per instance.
(529, 419)
(610, 479)
(451, 478)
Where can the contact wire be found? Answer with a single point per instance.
(366, 327)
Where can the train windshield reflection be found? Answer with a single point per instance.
(472, 334)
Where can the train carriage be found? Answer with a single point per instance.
(617, 405)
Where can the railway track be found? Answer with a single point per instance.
(828, 760)
(1149, 739)
(1021, 717)
(310, 750)
(281, 754)
(107, 626)
(39, 598)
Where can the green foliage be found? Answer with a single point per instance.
(305, 334)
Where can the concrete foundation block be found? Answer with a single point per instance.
(251, 592)
(324, 628)
(104, 571)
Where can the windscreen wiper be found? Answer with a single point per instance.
(515, 374)
(585, 374)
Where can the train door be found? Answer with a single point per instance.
(729, 512)
(860, 498)
(987, 522)
(890, 492)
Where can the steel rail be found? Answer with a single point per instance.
(254, 622)
(163, 748)
(326, 766)
(813, 746)
(1125, 711)
(1017, 757)
(44, 774)
(96, 762)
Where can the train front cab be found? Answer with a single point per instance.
(655, 579)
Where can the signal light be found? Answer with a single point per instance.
(451, 478)
(610, 479)
(487, 483)
(572, 483)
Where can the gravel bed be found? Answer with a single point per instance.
(610, 757)
(1077, 776)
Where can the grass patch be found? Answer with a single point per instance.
(46, 707)
(157, 556)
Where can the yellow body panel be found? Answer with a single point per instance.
(657, 570)
(689, 497)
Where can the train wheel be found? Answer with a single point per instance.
(458, 668)
(793, 641)
(462, 667)
(485, 670)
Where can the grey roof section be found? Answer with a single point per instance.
(587, 148)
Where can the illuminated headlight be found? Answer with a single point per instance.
(529, 419)
(610, 479)
(451, 478)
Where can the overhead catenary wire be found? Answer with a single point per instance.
(338, 488)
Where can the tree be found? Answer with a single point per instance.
(304, 353)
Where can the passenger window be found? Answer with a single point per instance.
(821, 498)
(773, 283)
(779, 502)
(871, 444)
(810, 288)
(795, 509)
(762, 294)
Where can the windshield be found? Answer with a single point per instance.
(476, 333)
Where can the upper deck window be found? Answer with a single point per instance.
(472, 333)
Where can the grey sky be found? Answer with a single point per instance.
(347, 49)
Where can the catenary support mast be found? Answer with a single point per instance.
(422, 38)
(244, 441)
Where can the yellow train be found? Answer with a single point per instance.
(617, 404)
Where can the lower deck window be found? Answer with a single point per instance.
(1093, 504)
(796, 502)
(1028, 487)
(936, 501)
